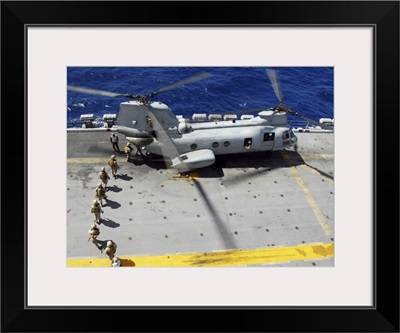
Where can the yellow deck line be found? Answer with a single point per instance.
(307, 194)
(80, 160)
(216, 259)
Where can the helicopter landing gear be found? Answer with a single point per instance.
(182, 175)
(142, 152)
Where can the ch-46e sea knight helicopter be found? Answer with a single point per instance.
(193, 144)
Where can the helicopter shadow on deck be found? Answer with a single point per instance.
(152, 162)
(218, 219)
(259, 163)
(272, 159)
(257, 160)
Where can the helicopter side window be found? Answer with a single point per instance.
(269, 136)
(247, 143)
(215, 144)
(193, 146)
(226, 143)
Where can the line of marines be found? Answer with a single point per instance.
(97, 210)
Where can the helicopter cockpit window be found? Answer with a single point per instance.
(215, 144)
(226, 143)
(193, 146)
(269, 136)
(286, 135)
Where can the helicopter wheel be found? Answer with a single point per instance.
(219, 172)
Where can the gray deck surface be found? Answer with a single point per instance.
(246, 201)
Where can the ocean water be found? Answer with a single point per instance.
(307, 90)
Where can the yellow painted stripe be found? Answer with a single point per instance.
(217, 259)
(317, 212)
(79, 160)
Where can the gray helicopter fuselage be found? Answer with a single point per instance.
(155, 128)
(231, 137)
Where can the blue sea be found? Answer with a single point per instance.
(307, 90)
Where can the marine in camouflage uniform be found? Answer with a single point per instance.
(128, 151)
(101, 193)
(94, 232)
(96, 210)
(110, 249)
(115, 262)
(112, 162)
(103, 175)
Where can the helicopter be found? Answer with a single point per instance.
(190, 144)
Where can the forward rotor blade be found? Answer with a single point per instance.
(94, 91)
(168, 147)
(273, 76)
(192, 79)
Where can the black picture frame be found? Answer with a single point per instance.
(383, 16)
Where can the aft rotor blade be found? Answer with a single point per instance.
(304, 117)
(94, 91)
(309, 120)
(242, 112)
(192, 79)
(273, 76)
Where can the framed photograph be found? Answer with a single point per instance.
(54, 51)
